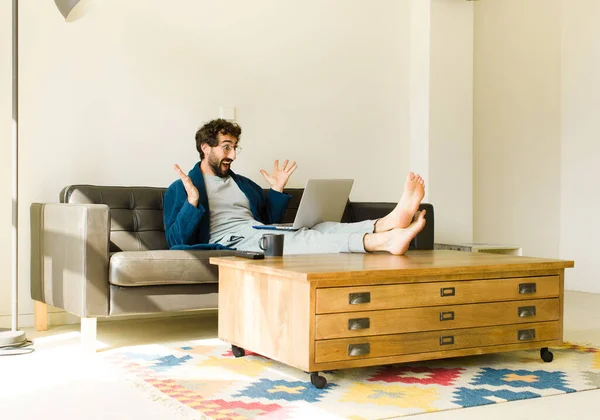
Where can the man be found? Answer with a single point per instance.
(214, 207)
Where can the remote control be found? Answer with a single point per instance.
(250, 254)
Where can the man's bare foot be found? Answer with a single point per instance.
(401, 237)
(397, 240)
(404, 212)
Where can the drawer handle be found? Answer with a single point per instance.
(526, 311)
(527, 288)
(446, 340)
(447, 291)
(359, 323)
(446, 316)
(359, 349)
(359, 298)
(524, 335)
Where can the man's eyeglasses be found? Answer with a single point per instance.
(228, 147)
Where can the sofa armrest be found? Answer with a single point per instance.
(360, 211)
(69, 257)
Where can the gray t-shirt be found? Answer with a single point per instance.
(230, 213)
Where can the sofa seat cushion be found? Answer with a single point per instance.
(163, 267)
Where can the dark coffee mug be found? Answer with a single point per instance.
(272, 244)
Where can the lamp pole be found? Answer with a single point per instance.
(14, 336)
(15, 163)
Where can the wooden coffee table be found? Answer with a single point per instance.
(332, 311)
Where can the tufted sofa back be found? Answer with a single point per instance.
(136, 214)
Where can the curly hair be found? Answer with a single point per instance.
(208, 133)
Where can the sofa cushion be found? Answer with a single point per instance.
(163, 267)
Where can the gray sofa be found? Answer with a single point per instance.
(102, 252)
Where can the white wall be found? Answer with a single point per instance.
(450, 180)
(580, 147)
(517, 129)
(306, 88)
(5, 157)
(116, 97)
(419, 90)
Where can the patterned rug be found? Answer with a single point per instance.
(202, 379)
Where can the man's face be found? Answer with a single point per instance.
(219, 158)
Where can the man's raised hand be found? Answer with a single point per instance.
(280, 176)
(190, 188)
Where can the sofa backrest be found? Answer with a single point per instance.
(136, 214)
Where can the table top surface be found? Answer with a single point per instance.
(418, 263)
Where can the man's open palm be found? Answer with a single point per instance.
(280, 176)
(190, 188)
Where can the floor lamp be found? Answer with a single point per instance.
(13, 338)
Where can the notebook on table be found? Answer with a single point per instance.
(323, 200)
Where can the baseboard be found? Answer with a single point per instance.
(65, 318)
(54, 318)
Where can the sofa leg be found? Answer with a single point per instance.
(40, 316)
(88, 334)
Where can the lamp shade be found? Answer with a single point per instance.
(72, 9)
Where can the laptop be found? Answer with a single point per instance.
(323, 200)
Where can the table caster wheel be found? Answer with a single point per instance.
(237, 351)
(546, 355)
(317, 380)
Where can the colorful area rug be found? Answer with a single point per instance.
(203, 378)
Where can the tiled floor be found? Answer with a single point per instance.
(58, 381)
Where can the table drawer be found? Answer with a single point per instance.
(396, 321)
(399, 344)
(366, 298)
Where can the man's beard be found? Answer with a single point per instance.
(215, 165)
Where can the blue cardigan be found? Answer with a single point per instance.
(188, 227)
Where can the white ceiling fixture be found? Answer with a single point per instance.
(72, 9)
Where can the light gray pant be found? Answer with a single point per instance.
(323, 238)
